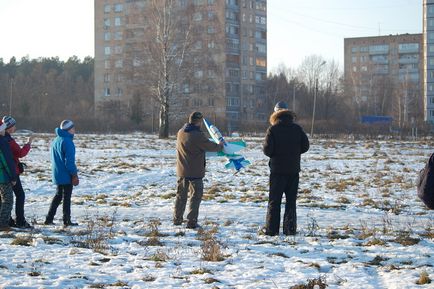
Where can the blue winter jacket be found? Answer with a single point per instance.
(63, 157)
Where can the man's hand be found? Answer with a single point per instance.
(29, 140)
(74, 180)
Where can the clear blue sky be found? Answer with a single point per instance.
(296, 28)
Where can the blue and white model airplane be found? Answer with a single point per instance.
(236, 161)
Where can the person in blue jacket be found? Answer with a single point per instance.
(64, 170)
(8, 178)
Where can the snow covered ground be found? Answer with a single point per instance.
(360, 222)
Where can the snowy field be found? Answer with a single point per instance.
(360, 224)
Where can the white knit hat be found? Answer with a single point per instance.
(66, 124)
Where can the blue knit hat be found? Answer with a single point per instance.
(9, 121)
(66, 124)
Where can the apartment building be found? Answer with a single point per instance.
(384, 76)
(428, 63)
(228, 62)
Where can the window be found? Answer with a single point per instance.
(107, 91)
(232, 2)
(118, 35)
(211, 30)
(106, 77)
(198, 45)
(234, 30)
(107, 64)
(431, 112)
(107, 50)
(186, 88)
(118, 63)
(354, 59)
(354, 49)
(211, 44)
(107, 8)
(261, 48)
(260, 61)
(412, 46)
(211, 15)
(118, 21)
(261, 20)
(197, 16)
(431, 48)
(119, 7)
(118, 49)
(211, 2)
(260, 5)
(233, 73)
(211, 74)
(381, 48)
(106, 22)
(261, 35)
(107, 36)
(198, 74)
(261, 76)
(245, 74)
(119, 91)
(431, 60)
(233, 43)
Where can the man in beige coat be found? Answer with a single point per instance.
(191, 146)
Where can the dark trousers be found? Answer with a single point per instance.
(63, 194)
(195, 188)
(19, 202)
(280, 184)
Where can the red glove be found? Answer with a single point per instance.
(74, 180)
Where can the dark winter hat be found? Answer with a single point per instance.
(280, 105)
(9, 121)
(66, 124)
(195, 116)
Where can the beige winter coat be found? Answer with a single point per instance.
(191, 145)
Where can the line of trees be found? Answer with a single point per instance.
(314, 78)
(39, 93)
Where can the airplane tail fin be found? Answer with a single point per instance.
(237, 163)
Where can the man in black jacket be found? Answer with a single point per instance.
(285, 141)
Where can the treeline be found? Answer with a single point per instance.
(39, 93)
(319, 94)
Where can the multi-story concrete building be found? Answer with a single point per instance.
(385, 75)
(233, 35)
(428, 59)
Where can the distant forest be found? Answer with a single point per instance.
(39, 93)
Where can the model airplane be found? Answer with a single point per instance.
(236, 161)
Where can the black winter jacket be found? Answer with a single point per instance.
(284, 143)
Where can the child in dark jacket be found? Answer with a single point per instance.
(17, 153)
(8, 178)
